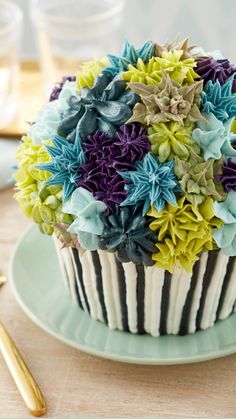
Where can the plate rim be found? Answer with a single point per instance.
(132, 359)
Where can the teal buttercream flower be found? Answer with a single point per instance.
(88, 225)
(104, 107)
(219, 99)
(127, 233)
(129, 55)
(49, 118)
(225, 236)
(152, 182)
(66, 159)
(214, 137)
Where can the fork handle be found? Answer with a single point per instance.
(21, 374)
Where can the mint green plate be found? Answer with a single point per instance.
(39, 289)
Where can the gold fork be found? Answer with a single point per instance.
(29, 389)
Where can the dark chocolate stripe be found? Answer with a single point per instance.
(208, 276)
(99, 283)
(75, 280)
(184, 323)
(122, 292)
(77, 293)
(234, 307)
(80, 276)
(140, 297)
(165, 302)
(228, 274)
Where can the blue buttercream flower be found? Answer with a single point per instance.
(214, 137)
(129, 55)
(225, 236)
(49, 118)
(88, 225)
(66, 159)
(219, 99)
(105, 108)
(152, 182)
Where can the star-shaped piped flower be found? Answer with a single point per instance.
(208, 68)
(167, 101)
(132, 142)
(105, 107)
(219, 99)
(129, 55)
(66, 159)
(171, 139)
(176, 45)
(152, 182)
(197, 178)
(127, 233)
(171, 62)
(184, 231)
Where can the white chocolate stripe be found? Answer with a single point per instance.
(94, 287)
(184, 285)
(148, 299)
(70, 271)
(81, 295)
(157, 284)
(211, 291)
(230, 296)
(131, 295)
(197, 294)
(115, 290)
(107, 289)
(88, 284)
(223, 267)
(175, 281)
(60, 261)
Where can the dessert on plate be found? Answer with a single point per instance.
(131, 166)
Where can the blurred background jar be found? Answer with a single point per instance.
(70, 32)
(11, 18)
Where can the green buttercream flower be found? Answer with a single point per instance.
(185, 231)
(179, 69)
(197, 178)
(172, 139)
(38, 201)
(168, 101)
(89, 72)
(146, 73)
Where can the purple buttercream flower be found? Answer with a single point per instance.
(133, 142)
(210, 69)
(129, 145)
(228, 176)
(98, 147)
(105, 184)
(58, 87)
(105, 156)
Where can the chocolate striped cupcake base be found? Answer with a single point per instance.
(150, 300)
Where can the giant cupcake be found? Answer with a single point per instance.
(131, 167)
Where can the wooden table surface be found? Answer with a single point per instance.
(80, 385)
